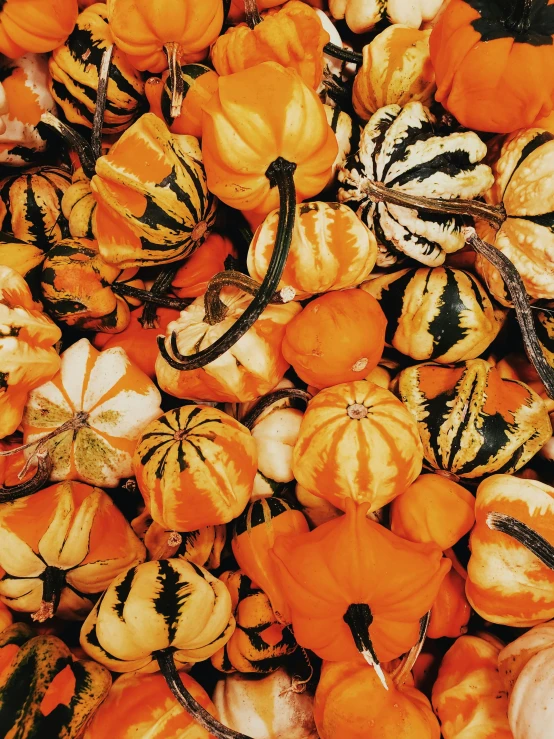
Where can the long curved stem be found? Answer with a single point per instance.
(253, 17)
(379, 193)
(74, 139)
(53, 581)
(518, 294)
(523, 534)
(216, 309)
(23, 489)
(189, 703)
(161, 286)
(401, 673)
(101, 99)
(175, 78)
(281, 174)
(120, 288)
(359, 618)
(345, 55)
(75, 423)
(271, 398)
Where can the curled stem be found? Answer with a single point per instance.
(23, 489)
(524, 535)
(268, 400)
(101, 99)
(216, 309)
(408, 661)
(147, 296)
(358, 618)
(345, 55)
(161, 286)
(74, 139)
(175, 78)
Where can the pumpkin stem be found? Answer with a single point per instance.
(281, 174)
(162, 284)
(101, 99)
(75, 423)
(74, 139)
(519, 19)
(345, 55)
(147, 296)
(519, 297)
(379, 193)
(216, 309)
(253, 17)
(524, 535)
(408, 661)
(359, 618)
(268, 400)
(357, 411)
(53, 580)
(40, 478)
(190, 704)
(176, 82)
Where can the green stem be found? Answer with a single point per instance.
(345, 55)
(14, 492)
(281, 174)
(101, 99)
(524, 535)
(359, 618)
(268, 400)
(253, 17)
(175, 78)
(74, 139)
(128, 291)
(161, 285)
(215, 308)
(53, 580)
(519, 19)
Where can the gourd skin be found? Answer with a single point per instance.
(531, 709)
(35, 25)
(451, 611)
(79, 207)
(211, 257)
(363, 15)
(516, 655)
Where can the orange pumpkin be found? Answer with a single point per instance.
(433, 509)
(349, 702)
(195, 467)
(254, 535)
(451, 611)
(191, 279)
(291, 35)
(353, 586)
(338, 337)
(494, 64)
(141, 705)
(357, 441)
(35, 25)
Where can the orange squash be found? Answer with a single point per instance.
(291, 35)
(191, 279)
(338, 337)
(451, 611)
(357, 441)
(35, 25)
(494, 64)
(353, 587)
(349, 702)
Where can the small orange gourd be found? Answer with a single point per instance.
(35, 25)
(451, 611)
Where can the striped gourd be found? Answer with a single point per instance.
(506, 583)
(259, 643)
(169, 603)
(154, 207)
(95, 409)
(471, 421)
(195, 467)
(357, 441)
(30, 205)
(74, 68)
(79, 207)
(401, 149)
(441, 314)
(363, 15)
(45, 692)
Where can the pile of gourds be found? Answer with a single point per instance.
(276, 369)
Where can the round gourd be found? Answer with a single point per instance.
(202, 547)
(442, 314)
(517, 654)
(363, 15)
(35, 25)
(338, 337)
(357, 442)
(79, 207)
(530, 711)
(451, 610)
(195, 466)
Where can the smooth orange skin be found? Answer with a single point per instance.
(358, 561)
(193, 276)
(497, 85)
(291, 35)
(433, 509)
(451, 610)
(350, 702)
(139, 343)
(35, 25)
(328, 342)
(140, 704)
(256, 116)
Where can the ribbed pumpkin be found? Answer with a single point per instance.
(468, 695)
(342, 708)
(91, 414)
(396, 69)
(363, 15)
(76, 284)
(195, 467)
(525, 186)
(60, 548)
(35, 25)
(516, 655)
(212, 257)
(357, 442)
(26, 95)
(442, 314)
(27, 354)
(202, 547)
(153, 208)
(530, 708)
(142, 705)
(401, 149)
(79, 207)
(254, 534)
(259, 643)
(471, 421)
(451, 610)
(30, 205)
(250, 368)
(24, 258)
(331, 249)
(291, 35)
(75, 66)
(506, 583)
(45, 691)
